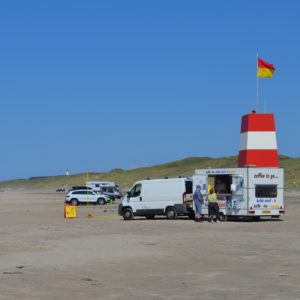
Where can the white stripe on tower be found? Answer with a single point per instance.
(262, 140)
(258, 145)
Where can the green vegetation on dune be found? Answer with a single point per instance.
(291, 172)
(175, 168)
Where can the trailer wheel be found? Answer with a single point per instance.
(171, 213)
(222, 217)
(127, 214)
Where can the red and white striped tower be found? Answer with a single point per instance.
(258, 145)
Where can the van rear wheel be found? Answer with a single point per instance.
(127, 214)
(171, 213)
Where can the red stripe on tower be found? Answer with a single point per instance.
(258, 145)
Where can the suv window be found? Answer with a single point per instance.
(136, 190)
(83, 192)
(266, 191)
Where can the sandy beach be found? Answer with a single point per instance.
(44, 256)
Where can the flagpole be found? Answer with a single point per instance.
(257, 100)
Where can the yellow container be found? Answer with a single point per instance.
(70, 211)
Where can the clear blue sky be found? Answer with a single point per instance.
(94, 85)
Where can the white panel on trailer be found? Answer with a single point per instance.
(266, 191)
(202, 181)
(266, 176)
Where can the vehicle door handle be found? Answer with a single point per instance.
(141, 199)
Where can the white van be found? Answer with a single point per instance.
(152, 197)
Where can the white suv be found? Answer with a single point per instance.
(76, 197)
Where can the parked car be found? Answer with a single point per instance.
(77, 197)
(107, 187)
(80, 187)
(112, 192)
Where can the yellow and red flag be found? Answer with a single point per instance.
(264, 69)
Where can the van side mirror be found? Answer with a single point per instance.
(233, 187)
(128, 194)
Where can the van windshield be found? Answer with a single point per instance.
(136, 190)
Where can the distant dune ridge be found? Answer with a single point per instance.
(125, 178)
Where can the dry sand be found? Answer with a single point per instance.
(44, 256)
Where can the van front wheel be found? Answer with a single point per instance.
(171, 213)
(127, 214)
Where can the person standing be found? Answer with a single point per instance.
(213, 207)
(220, 187)
(198, 200)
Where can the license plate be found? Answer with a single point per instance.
(266, 211)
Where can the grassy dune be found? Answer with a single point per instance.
(176, 168)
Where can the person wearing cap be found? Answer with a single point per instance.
(213, 207)
(198, 200)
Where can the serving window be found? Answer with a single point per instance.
(221, 183)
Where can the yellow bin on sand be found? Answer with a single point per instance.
(70, 211)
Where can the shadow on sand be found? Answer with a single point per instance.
(205, 220)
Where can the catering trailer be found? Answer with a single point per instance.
(244, 192)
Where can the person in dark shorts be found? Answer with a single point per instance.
(213, 207)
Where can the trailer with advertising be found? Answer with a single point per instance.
(244, 192)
